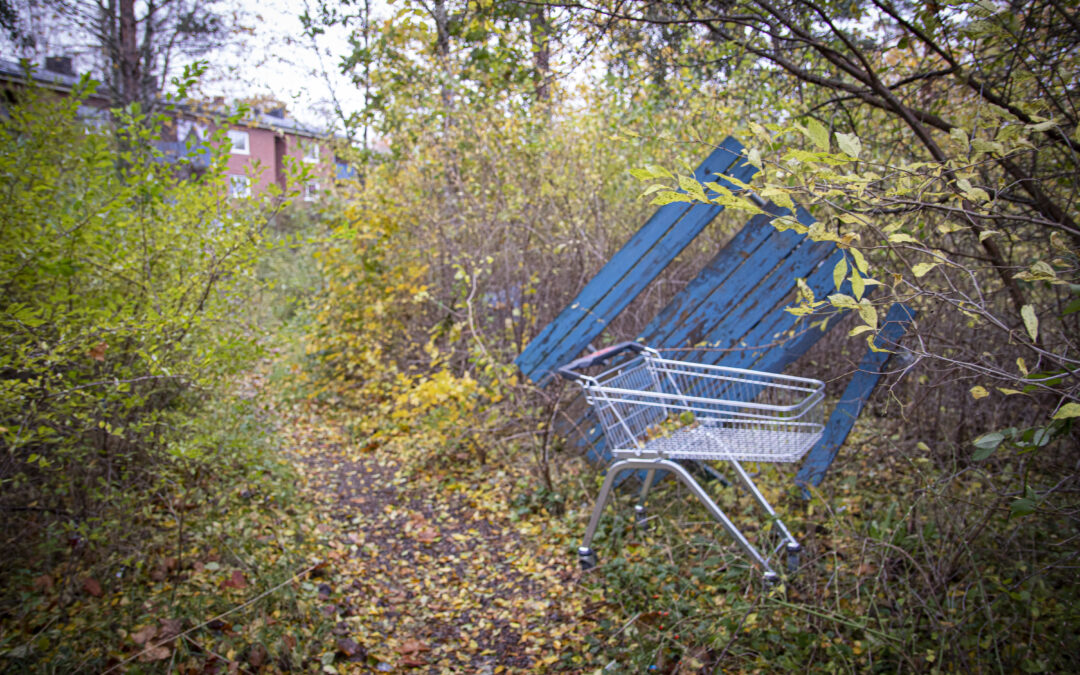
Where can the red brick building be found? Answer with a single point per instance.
(261, 144)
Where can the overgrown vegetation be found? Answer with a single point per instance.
(932, 144)
(144, 495)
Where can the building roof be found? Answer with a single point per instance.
(273, 119)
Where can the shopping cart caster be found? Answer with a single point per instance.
(771, 578)
(586, 558)
(641, 517)
(793, 557)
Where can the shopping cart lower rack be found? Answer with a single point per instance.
(655, 410)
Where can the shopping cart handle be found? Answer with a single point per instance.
(598, 358)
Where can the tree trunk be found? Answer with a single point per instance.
(128, 64)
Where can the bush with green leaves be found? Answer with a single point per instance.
(122, 308)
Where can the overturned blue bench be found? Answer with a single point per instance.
(732, 314)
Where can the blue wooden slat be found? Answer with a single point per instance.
(721, 300)
(854, 398)
(732, 311)
(737, 328)
(648, 252)
(741, 247)
(820, 282)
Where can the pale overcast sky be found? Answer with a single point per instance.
(278, 60)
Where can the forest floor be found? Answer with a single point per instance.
(428, 567)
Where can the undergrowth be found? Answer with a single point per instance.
(212, 567)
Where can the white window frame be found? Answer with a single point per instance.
(239, 186)
(311, 191)
(241, 141)
(310, 151)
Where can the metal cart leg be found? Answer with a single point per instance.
(641, 517)
(749, 484)
(588, 558)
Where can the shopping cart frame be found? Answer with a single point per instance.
(726, 414)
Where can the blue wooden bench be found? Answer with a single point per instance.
(734, 307)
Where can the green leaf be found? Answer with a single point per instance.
(868, 313)
(1022, 507)
(669, 197)
(1067, 411)
(1043, 126)
(849, 144)
(959, 136)
(657, 171)
(1031, 322)
(858, 286)
(839, 272)
(986, 444)
(818, 134)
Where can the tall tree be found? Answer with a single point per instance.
(132, 45)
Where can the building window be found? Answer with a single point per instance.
(240, 142)
(311, 151)
(311, 192)
(239, 186)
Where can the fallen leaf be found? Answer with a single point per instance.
(235, 581)
(91, 586)
(412, 646)
(159, 653)
(44, 583)
(427, 535)
(350, 648)
(413, 661)
(144, 635)
(170, 628)
(256, 655)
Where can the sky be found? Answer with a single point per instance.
(277, 60)
(269, 57)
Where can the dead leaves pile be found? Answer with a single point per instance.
(428, 570)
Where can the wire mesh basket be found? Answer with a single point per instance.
(652, 406)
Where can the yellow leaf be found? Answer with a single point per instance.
(1031, 322)
(839, 272)
(921, 269)
(978, 392)
(860, 261)
(1068, 410)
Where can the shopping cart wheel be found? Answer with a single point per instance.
(772, 578)
(793, 557)
(641, 517)
(587, 558)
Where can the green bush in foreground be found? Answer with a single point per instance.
(127, 472)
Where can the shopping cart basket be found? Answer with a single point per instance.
(655, 410)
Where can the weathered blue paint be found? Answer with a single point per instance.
(630, 270)
(735, 305)
(741, 247)
(854, 398)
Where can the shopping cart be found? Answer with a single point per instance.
(655, 411)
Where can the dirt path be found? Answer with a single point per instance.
(428, 570)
